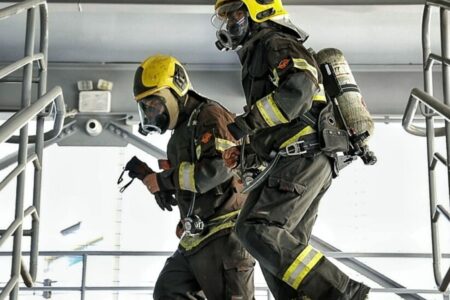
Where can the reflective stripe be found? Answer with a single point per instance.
(320, 96)
(186, 176)
(307, 130)
(301, 266)
(275, 78)
(198, 151)
(226, 216)
(189, 242)
(270, 111)
(302, 64)
(222, 144)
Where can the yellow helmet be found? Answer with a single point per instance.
(159, 72)
(259, 10)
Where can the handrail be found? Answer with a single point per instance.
(20, 121)
(5, 71)
(441, 210)
(434, 57)
(16, 171)
(431, 102)
(403, 292)
(67, 130)
(51, 135)
(432, 108)
(332, 254)
(9, 286)
(12, 228)
(26, 276)
(25, 115)
(361, 268)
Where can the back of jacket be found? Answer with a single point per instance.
(281, 82)
(195, 154)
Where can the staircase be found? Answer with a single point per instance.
(47, 104)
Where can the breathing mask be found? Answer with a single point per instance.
(232, 23)
(158, 112)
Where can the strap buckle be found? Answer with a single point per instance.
(296, 148)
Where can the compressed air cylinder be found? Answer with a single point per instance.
(351, 103)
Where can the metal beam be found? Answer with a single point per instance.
(211, 2)
(363, 269)
(130, 137)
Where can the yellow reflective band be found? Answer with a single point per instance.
(222, 144)
(301, 266)
(307, 130)
(263, 113)
(302, 64)
(186, 176)
(320, 96)
(270, 111)
(275, 78)
(307, 269)
(226, 216)
(189, 242)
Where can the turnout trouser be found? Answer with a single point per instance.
(275, 226)
(222, 269)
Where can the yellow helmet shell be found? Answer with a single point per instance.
(259, 10)
(158, 72)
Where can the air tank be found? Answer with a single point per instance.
(351, 102)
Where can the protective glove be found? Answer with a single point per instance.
(151, 181)
(231, 157)
(137, 168)
(165, 200)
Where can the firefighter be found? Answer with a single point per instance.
(210, 257)
(283, 88)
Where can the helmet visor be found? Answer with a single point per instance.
(153, 114)
(223, 10)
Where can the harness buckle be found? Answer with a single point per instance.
(296, 148)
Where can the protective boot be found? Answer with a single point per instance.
(355, 291)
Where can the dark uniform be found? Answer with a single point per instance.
(282, 82)
(214, 261)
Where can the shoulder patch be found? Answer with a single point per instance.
(283, 64)
(206, 137)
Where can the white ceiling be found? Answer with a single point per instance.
(381, 42)
(368, 34)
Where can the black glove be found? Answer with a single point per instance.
(165, 200)
(137, 168)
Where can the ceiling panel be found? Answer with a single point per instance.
(381, 42)
(377, 34)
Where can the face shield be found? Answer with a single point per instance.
(158, 112)
(232, 24)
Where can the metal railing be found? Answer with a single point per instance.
(83, 288)
(20, 121)
(431, 107)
